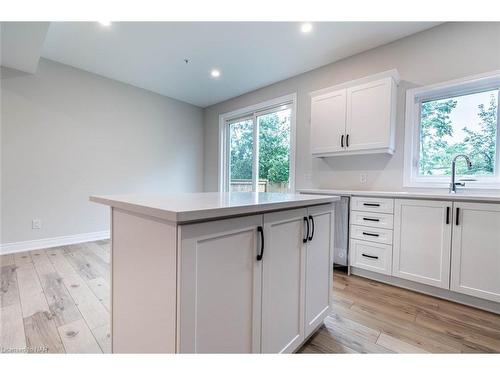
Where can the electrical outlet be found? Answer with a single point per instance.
(36, 224)
(362, 178)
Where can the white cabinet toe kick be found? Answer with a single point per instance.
(449, 249)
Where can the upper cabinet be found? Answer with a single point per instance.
(355, 118)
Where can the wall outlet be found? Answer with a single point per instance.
(36, 224)
(362, 178)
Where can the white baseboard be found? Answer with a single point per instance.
(16, 247)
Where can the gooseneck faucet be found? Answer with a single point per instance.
(453, 184)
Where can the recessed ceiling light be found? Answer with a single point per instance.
(215, 73)
(306, 27)
(105, 23)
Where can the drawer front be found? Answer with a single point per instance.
(372, 219)
(371, 256)
(370, 204)
(371, 234)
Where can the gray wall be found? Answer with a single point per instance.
(67, 134)
(442, 53)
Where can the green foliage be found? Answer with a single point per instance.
(274, 148)
(436, 152)
(241, 136)
(481, 144)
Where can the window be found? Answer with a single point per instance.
(257, 148)
(445, 120)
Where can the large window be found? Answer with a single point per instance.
(446, 120)
(257, 148)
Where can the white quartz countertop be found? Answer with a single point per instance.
(466, 195)
(191, 207)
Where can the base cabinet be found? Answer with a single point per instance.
(319, 267)
(475, 265)
(220, 287)
(422, 241)
(230, 300)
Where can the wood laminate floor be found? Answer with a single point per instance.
(58, 300)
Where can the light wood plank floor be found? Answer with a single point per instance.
(58, 300)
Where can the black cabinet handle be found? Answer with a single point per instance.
(342, 141)
(457, 222)
(304, 240)
(370, 256)
(371, 234)
(370, 219)
(371, 204)
(347, 140)
(447, 215)
(261, 231)
(312, 228)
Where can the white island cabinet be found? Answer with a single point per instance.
(219, 272)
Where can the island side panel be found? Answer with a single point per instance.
(144, 266)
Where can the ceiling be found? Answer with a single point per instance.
(249, 55)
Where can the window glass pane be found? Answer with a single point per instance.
(240, 155)
(274, 151)
(459, 125)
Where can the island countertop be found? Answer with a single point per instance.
(192, 207)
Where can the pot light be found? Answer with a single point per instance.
(306, 27)
(105, 23)
(215, 73)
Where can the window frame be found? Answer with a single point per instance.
(253, 111)
(414, 99)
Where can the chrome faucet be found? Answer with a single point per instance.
(453, 184)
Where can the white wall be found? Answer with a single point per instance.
(67, 134)
(442, 53)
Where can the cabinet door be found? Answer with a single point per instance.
(283, 281)
(220, 287)
(475, 266)
(319, 267)
(422, 241)
(370, 119)
(328, 122)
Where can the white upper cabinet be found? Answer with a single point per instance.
(475, 261)
(328, 113)
(371, 117)
(422, 241)
(355, 118)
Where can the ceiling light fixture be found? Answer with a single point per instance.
(215, 73)
(105, 23)
(306, 27)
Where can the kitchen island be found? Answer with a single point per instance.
(219, 272)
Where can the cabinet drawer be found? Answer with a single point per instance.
(372, 219)
(371, 256)
(384, 205)
(371, 234)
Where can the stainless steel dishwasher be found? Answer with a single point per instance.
(341, 233)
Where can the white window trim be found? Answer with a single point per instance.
(290, 99)
(412, 129)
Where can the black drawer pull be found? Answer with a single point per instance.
(371, 204)
(304, 240)
(370, 256)
(370, 219)
(261, 231)
(342, 141)
(312, 229)
(371, 234)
